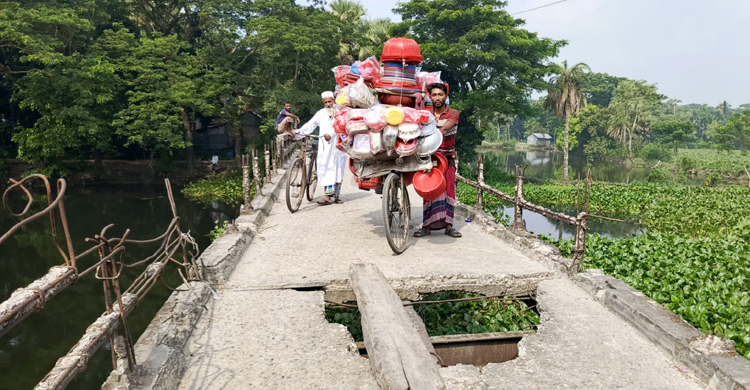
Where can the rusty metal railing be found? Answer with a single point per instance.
(580, 220)
(174, 246)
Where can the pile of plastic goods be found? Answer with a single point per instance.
(389, 121)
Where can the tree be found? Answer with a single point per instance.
(490, 62)
(632, 110)
(672, 105)
(735, 134)
(350, 14)
(170, 90)
(670, 130)
(566, 99)
(599, 87)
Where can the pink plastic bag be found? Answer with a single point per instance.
(424, 79)
(340, 73)
(370, 70)
(416, 116)
(375, 120)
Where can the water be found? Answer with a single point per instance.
(30, 350)
(541, 225)
(548, 165)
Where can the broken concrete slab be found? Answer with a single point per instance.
(582, 345)
(274, 339)
(712, 360)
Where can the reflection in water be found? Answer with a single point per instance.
(30, 350)
(541, 225)
(546, 165)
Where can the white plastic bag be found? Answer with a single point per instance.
(361, 147)
(361, 96)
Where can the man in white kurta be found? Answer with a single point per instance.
(331, 161)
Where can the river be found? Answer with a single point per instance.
(548, 165)
(29, 351)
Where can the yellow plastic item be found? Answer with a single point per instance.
(394, 116)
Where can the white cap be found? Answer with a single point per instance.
(326, 94)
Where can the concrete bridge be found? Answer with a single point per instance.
(257, 322)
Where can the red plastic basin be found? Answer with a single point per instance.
(429, 185)
(401, 49)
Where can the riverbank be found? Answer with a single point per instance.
(119, 172)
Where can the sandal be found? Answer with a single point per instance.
(338, 201)
(324, 202)
(453, 233)
(422, 232)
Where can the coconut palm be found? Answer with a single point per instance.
(565, 98)
(351, 14)
(375, 35)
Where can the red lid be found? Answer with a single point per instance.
(442, 162)
(401, 49)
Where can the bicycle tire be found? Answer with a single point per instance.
(396, 207)
(295, 185)
(312, 177)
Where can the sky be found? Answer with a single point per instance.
(697, 51)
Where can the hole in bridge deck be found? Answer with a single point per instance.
(464, 327)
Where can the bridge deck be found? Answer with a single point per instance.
(263, 334)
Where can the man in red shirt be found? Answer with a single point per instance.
(438, 214)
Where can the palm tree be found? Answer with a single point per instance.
(565, 98)
(350, 13)
(376, 33)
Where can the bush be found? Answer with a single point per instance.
(686, 163)
(655, 152)
(659, 176)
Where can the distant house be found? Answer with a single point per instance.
(539, 139)
(214, 136)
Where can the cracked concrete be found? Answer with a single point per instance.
(262, 334)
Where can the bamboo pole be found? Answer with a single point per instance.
(480, 179)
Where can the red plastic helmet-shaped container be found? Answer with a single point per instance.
(429, 185)
(402, 49)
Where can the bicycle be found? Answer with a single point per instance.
(396, 206)
(302, 178)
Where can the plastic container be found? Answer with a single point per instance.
(408, 131)
(402, 49)
(397, 100)
(440, 162)
(394, 116)
(429, 184)
(375, 119)
(356, 127)
(406, 148)
(416, 116)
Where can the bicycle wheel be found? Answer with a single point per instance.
(295, 185)
(396, 212)
(312, 177)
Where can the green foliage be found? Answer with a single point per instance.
(217, 231)
(448, 318)
(221, 189)
(686, 163)
(694, 210)
(491, 315)
(659, 176)
(704, 280)
(349, 317)
(656, 152)
(733, 161)
(485, 78)
(733, 135)
(673, 131)
(599, 87)
(60, 170)
(632, 110)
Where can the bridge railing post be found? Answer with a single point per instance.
(256, 172)
(480, 180)
(267, 159)
(518, 222)
(247, 206)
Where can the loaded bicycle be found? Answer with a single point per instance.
(303, 174)
(395, 177)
